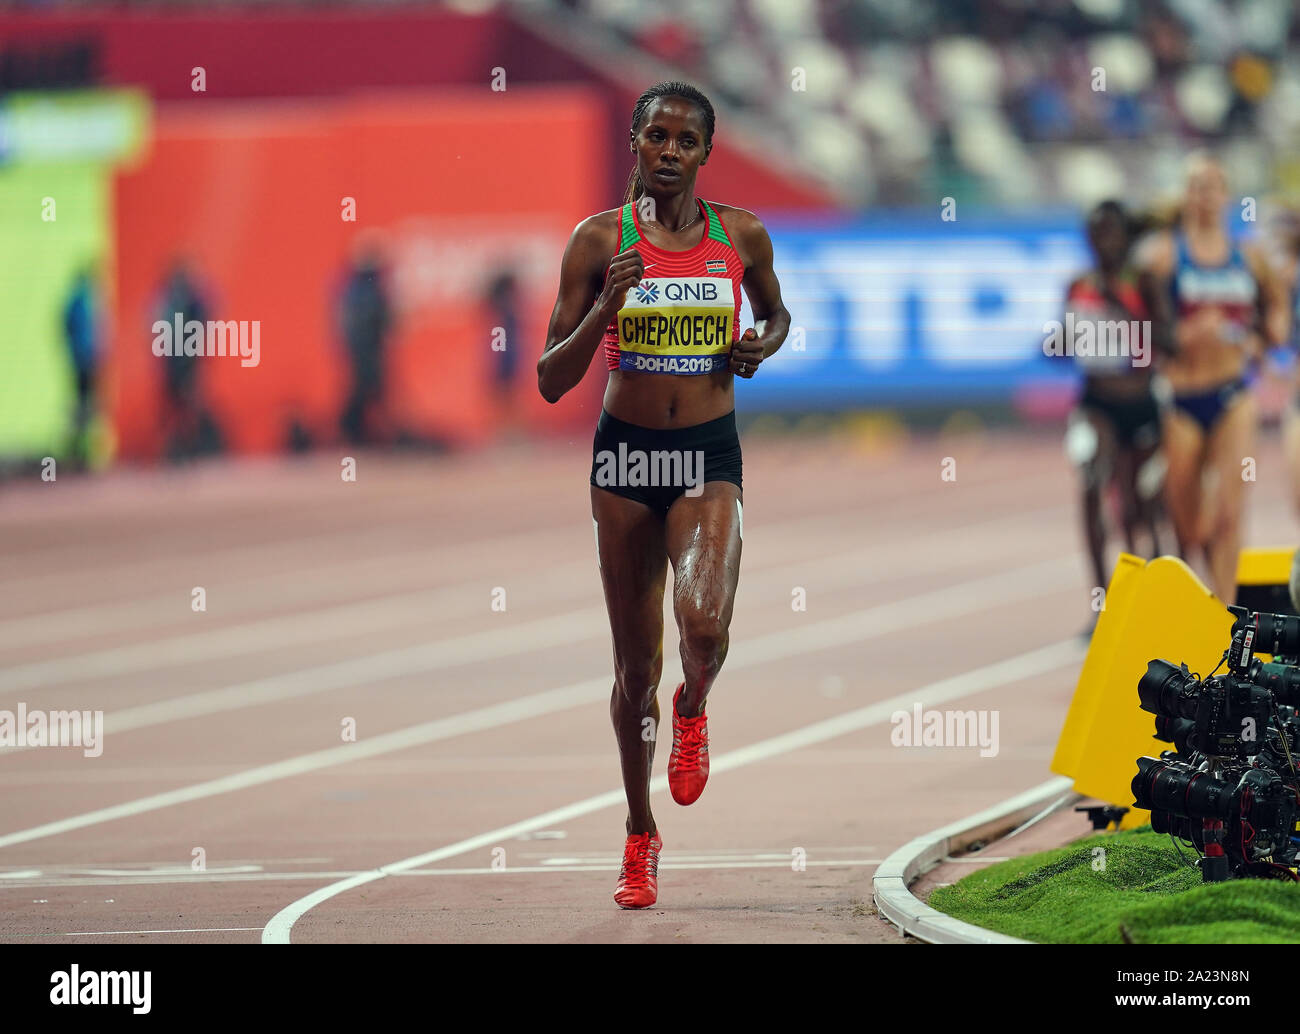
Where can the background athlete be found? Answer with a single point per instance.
(1114, 436)
(1225, 306)
(665, 228)
(1288, 279)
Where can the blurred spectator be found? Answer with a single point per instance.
(999, 94)
(886, 89)
(82, 327)
(189, 428)
(365, 319)
(502, 302)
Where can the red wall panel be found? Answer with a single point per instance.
(252, 193)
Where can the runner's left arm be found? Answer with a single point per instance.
(771, 318)
(1275, 314)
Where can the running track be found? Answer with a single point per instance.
(480, 800)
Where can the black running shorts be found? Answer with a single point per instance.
(656, 467)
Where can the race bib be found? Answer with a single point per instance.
(677, 325)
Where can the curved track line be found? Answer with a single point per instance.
(1014, 669)
(978, 594)
(401, 661)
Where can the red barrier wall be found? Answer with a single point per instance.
(254, 52)
(265, 51)
(253, 193)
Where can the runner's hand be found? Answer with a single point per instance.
(746, 354)
(624, 273)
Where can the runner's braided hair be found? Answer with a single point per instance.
(685, 91)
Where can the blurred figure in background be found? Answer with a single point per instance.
(365, 321)
(501, 299)
(1114, 433)
(82, 329)
(1288, 279)
(1226, 310)
(189, 429)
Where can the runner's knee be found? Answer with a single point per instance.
(637, 679)
(704, 640)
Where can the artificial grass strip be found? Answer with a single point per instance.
(1143, 893)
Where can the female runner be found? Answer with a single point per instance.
(1225, 306)
(1115, 430)
(1288, 276)
(657, 283)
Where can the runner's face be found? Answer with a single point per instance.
(671, 139)
(1207, 191)
(1109, 241)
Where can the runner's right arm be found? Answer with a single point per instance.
(584, 305)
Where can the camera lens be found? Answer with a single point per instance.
(1275, 633)
(1167, 822)
(1167, 690)
(1167, 786)
(1178, 731)
(1282, 680)
(1206, 798)
(1148, 769)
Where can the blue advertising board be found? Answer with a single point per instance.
(915, 310)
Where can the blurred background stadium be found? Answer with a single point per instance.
(387, 188)
(381, 193)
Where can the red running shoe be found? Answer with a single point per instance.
(688, 764)
(638, 879)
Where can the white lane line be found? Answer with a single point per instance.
(784, 857)
(610, 866)
(478, 720)
(170, 870)
(306, 583)
(293, 587)
(276, 550)
(614, 867)
(276, 877)
(955, 601)
(720, 853)
(525, 637)
(481, 646)
(33, 629)
(160, 865)
(1027, 665)
(126, 933)
(406, 609)
(299, 629)
(190, 878)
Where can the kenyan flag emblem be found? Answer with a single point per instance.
(716, 266)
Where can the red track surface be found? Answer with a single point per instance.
(372, 601)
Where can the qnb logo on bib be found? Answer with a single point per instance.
(677, 325)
